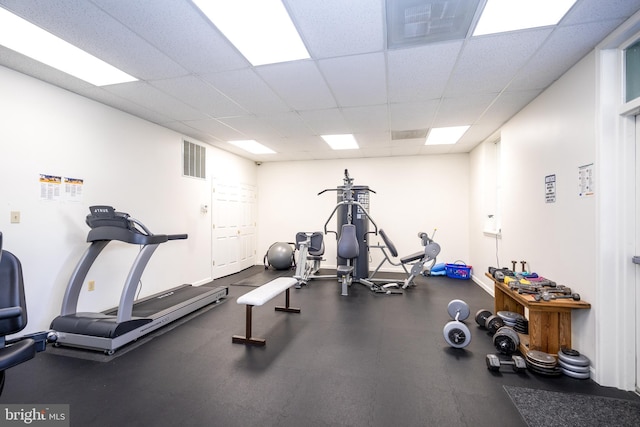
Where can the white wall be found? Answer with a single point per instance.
(413, 194)
(555, 134)
(125, 162)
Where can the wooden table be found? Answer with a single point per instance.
(549, 321)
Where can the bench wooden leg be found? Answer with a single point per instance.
(248, 339)
(286, 307)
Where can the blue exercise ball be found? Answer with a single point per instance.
(280, 256)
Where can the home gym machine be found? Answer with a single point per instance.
(352, 235)
(112, 329)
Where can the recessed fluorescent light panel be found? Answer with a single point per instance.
(448, 135)
(252, 146)
(32, 41)
(509, 15)
(260, 29)
(341, 142)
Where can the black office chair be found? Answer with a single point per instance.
(13, 314)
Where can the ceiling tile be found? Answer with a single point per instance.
(147, 96)
(420, 73)
(325, 122)
(326, 25)
(356, 80)
(370, 118)
(180, 30)
(299, 84)
(598, 10)
(91, 29)
(488, 63)
(564, 48)
(412, 115)
(201, 95)
(248, 90)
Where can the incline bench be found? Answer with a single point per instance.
(259, 296)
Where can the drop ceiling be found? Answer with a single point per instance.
(193, 81)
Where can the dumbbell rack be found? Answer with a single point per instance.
(549, 321)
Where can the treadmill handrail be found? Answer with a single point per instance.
(123, 235)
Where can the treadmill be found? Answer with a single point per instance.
(111, 329)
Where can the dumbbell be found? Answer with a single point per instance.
(560, 290)
(456, 333)
(546, 296)
(517, 363)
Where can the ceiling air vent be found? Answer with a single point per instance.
(415, 22)
(408, 134)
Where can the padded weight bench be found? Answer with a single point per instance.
(258, 297)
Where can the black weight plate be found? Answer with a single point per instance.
(570, 351)
(573, 368)
(580, 360)
(494, 323)
(481, 317)
(504, 341)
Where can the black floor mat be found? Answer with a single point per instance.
(547, 408)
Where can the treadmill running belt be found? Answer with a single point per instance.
(165, 300)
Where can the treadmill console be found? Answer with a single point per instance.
(102, 216)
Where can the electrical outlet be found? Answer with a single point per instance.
(91, 285)
(15, 217)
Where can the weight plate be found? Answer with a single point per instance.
(458, 306)
(509, 315)
(541, 358)
(544, 371)
(482, 316)
(580, 360)
(573, 368)
(511, 333)
(506, 341)
(570, 351)
(457, 334)
(578, 375)
(494, 323)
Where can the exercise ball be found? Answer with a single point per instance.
(280, 255)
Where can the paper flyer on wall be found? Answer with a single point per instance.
(50, 187)
(73, 189)
(586, 181)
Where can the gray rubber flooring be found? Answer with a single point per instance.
(362, 360)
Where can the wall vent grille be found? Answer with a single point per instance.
(194, 160)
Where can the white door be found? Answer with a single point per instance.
(233, 227)
(247, 226)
